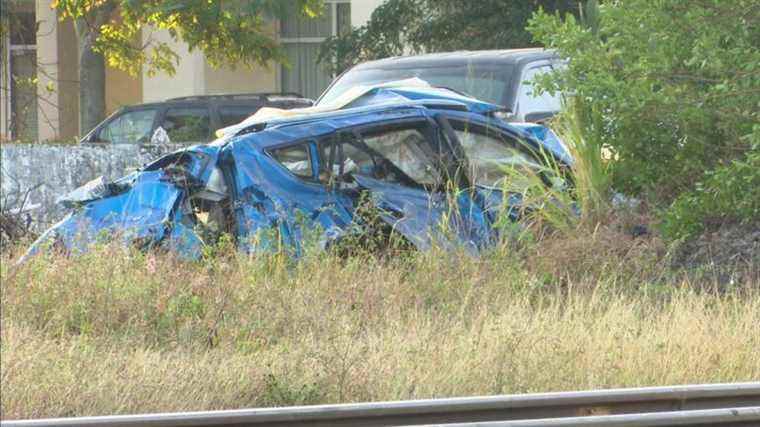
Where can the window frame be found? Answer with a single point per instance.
(96, 133)
(427, 127)
(511, 140)
(310, 145)
(316, 40)
(9, 126)
(164, 110)
(520, 111)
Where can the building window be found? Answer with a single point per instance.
(19, 77)
(301, 38)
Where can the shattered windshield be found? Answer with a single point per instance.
(399, 156)
(493, 161)
(484, 82)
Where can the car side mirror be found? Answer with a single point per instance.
(539, 116)
(93, 139)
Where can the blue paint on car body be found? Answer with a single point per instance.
(264, 205)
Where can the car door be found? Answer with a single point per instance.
(278, 199)
(500, 166)
(404, 170)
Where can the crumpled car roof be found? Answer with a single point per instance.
(276, 179)
(402, 92)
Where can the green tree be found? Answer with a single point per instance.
(418, 26)
(228, 32)
(674, 86)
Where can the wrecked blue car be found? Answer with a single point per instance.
(431, 163)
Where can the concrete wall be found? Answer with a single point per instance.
(35, 175)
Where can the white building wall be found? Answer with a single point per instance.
(361, 10)
(189, 78)
(48, 122)
(194, 76)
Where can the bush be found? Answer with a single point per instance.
(677, 83)
(729, 194)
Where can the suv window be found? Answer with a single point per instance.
(295, 159)
(187, 124)
(234, 114)
(130, 127)
(528, 101)
(484, 82)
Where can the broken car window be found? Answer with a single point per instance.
(343, 155)
(295, 159)
(408, 150)
(495, 161)
(399, 156)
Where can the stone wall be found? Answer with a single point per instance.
(35, 175)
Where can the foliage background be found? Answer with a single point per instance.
(674, 87)
(400, 27)
(666, 91)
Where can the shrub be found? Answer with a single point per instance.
(677, 85)
(730, 193)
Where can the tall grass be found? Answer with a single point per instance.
(563, 199)
(122, 331)
(118, 331)
(580, 128)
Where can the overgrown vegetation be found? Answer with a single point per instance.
(399, 27)
(584, 295)
(673, 88)
(122, 331)
(118, 34)
(667, 93)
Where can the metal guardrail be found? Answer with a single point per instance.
(729, 417)
(718, 404)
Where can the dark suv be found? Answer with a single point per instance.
(188, 119)
(502, 77)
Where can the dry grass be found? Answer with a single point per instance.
(125, 332)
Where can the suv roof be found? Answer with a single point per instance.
(264, 96)
(288, 98)
(512, 56)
